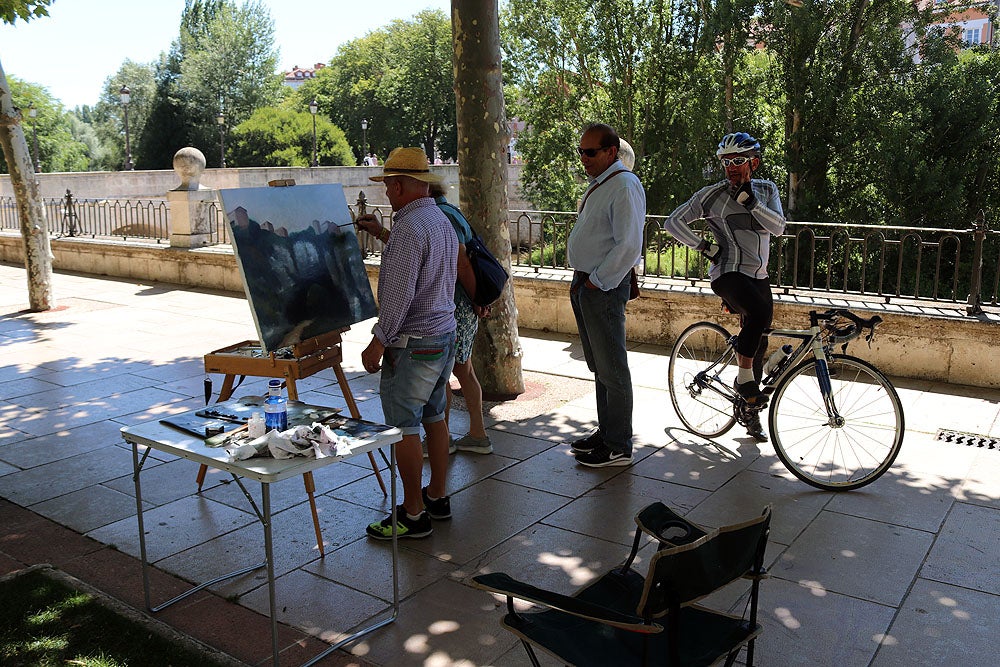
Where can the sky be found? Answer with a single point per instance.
(83, 42)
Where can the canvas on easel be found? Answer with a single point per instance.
(300, 261)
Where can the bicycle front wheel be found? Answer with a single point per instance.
(837, 454)
(702, 360)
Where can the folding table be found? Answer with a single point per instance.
(164, 438)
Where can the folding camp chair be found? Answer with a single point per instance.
(616, 620)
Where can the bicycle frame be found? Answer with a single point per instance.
(812, 340)
(842, 439)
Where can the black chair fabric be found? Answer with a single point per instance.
(625, 619)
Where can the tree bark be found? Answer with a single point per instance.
(30, 212)
(483, 143)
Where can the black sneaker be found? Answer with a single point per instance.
(602, 457)
(750, 392)
(754, 429)
(405, 526)
(588, 444)
(439, 509)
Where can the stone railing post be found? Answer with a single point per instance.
(190, 223)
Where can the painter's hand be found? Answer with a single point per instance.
(370, 224)
(371, 358)
(482, 312)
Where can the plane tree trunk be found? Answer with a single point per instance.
(483, 144)
(30, 212)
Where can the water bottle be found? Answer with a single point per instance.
(777, 360)
(275, 407)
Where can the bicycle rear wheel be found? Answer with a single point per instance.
(702, 360)
(837, 456)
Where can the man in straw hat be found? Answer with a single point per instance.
(414, 341)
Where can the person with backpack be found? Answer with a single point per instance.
(467, 316)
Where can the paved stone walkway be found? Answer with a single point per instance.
(903, 572)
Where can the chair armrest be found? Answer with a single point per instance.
(499, 582)
(663, 524)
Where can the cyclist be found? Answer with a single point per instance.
(742, 213)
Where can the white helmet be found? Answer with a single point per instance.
(738, 142)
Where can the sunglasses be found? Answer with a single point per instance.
(591, 152)
(735, 161)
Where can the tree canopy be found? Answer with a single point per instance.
(399, 78)
(866, 114)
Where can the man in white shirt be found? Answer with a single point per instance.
(606, 242)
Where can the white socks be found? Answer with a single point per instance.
(744, 375)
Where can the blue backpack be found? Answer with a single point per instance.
(490, 275)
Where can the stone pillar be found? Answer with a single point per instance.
(190, 219)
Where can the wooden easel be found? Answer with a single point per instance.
(307, 358)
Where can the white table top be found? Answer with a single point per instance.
(165, 438)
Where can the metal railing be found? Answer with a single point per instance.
(70, 216)
(937, 264)
(947, 265)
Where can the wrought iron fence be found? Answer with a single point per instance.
(70, 216)
(888, 262)
(947, 265)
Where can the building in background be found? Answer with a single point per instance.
(299, 75)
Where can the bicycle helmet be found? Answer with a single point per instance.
(737, 142)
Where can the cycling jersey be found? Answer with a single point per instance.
(742, 235)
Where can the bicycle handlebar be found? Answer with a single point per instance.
(850, 332)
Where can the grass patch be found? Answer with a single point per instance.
(45, 622)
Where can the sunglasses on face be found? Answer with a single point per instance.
(591, 152)
(735, 161)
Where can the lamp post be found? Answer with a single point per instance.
(364, 139)
(126, 97)
(313, 108)
(33, 114)
(221, 120)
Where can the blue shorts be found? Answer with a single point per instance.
(414, 381)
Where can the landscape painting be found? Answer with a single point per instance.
(299, 259)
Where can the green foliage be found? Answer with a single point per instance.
(858, 126)
(58, 147)
(11, 10)
(399, 78)
(224, 60)
(642, 66)
(276, 137)
(107, 118)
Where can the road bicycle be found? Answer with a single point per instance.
(836, 421)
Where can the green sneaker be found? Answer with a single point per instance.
(469, 443)
(405, 526)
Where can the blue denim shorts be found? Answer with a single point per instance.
(414, 381)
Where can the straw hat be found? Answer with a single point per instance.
(410, 162)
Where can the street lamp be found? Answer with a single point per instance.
(313, 108)
(364, 138)
(221, 120)
(33, 114)
(126, 97)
